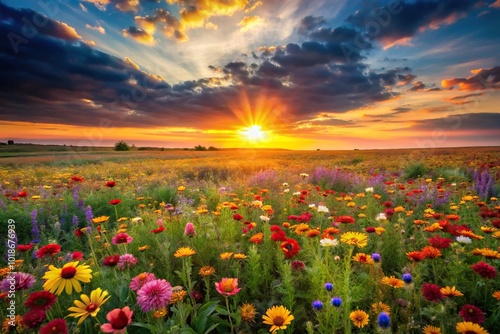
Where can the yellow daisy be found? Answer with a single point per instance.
(467, 327)
(66, 278)
(354, 238)
(359, 318)
(184, 252)
(88, 305)
(278, 317)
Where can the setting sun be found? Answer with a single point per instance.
(253, 133)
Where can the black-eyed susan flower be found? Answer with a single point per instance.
(88, 306)
(467, 327)
(278, 317)
(66, 278)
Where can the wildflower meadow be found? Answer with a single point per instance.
(252, 241)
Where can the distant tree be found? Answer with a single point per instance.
(200, 148)
(10, 142)
(211, 148)
(122, 146)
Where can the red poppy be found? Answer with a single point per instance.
(237, 217)
(111, 261)
(50, 249)
(290, 247)
(432, 292)
(110, 184)
(78, 233)
(56, 326)
(40, 300)
(484, 269)
(115, 201)
(471, 313)
(24, 248)
(22, 194)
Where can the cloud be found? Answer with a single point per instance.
(100, 4)
(462, 122)
(139, 35)
(480, 80)
(463, 97)
(164, 21)
(249, 22)
(496, 4)
(97, 28)
(397, 22)
(83, 7)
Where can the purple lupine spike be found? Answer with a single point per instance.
(35, 231)
(74, 221)
(88, 214)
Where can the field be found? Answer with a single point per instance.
(250, 241)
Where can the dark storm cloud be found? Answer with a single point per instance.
(398, 21)
(310, 23)
(57, 79)
(462, 122)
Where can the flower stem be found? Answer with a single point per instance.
(229, 314)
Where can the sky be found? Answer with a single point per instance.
(293, 74)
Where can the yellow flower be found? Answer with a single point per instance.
(393, 281)
(184, 252)
(239, 256)
(379, 230)
(66, 278)
(351, 204)
(399, 209)
(359, 318)
(450, 292)
(177, 296)
(354, 238)
(143, 248)
(248, 312)
(278, 317)
(101, 219)
(381, 307)
(431, 330)
(181, 188)
(35, 197)
(88, 306)
(17, 328)
(467, 327)
(361, 215)
(206, 271)
(121, 219)
(226, 255)
(160, 313)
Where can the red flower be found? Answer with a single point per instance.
(388, 204)
(278, 236)
(471, 313)
(389, 212)
(158, 230)
(56, 326)
(22, 194)
(24, 248)
(50, 249)
(275, 228)
(110, 184)
(237, 216)
(440, 243)
(111, 261)
(40, 300)
(345, 220)
(77, 256)
(415, 256)
(484, 269)
(115, 201)
(496, 223)
(298, 265)
(432, 292)
(290, 247)
(78, 233)
(34, 318)
(77, 178)
(118, 319)
(370, 229)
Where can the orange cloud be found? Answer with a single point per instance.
(97, 28)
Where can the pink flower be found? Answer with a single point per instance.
(126, 261)
(122, 238)
(141, 279)
(154, 295)
(189, 230)
(118, 319)
(77, 256)
(227, 286)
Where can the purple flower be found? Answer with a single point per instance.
(317, 304)
(35, 232)
(336, 301)
(74, 221)
(376, 257)
(17, 281)
(407, 278)
(141, 279)
(328, 286)
(88, 214)
(189, 230)
(154, 295)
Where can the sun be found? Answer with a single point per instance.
(253, 133)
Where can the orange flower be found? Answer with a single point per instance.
(430, 252)
(490, 253)
(313, 233)
(433, 228)
(450, 292)
(363, 258)
(420, 222)
(393, 281)
(381, 307)
(470, 234)
(415, 256)
(496, 295)
(329, 233)
(488, 229)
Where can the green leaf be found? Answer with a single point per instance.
(200, 322)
